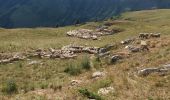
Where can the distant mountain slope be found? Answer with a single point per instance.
(34, 13)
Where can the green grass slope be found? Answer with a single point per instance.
(37, 80)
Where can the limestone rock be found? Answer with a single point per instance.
(105, 91)
(75, 82)
(98, 74)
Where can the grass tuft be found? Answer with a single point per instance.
(10, 87)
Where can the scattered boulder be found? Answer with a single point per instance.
(105, 91)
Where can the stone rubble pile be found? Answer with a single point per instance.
(16, 57)
(68, 51)
(92, 34)
(81, 33)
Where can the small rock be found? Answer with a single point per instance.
(75, 82)
(132, 48)
(98, 74)
(105, 91)
(127, 41)
(115, 58)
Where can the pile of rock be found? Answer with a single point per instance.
(68, 51)
(16, 57)
(92, 34)
(82, 33)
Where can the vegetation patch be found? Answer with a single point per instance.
(10, 87)
(90, 95)
(85, 63)
(73, 69)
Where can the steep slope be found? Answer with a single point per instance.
(34, 13)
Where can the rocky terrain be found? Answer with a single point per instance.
(123, 59)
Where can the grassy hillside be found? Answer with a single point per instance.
(34, 82)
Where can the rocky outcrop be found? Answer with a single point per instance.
(161, 70)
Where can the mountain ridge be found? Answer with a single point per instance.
(22, 13)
